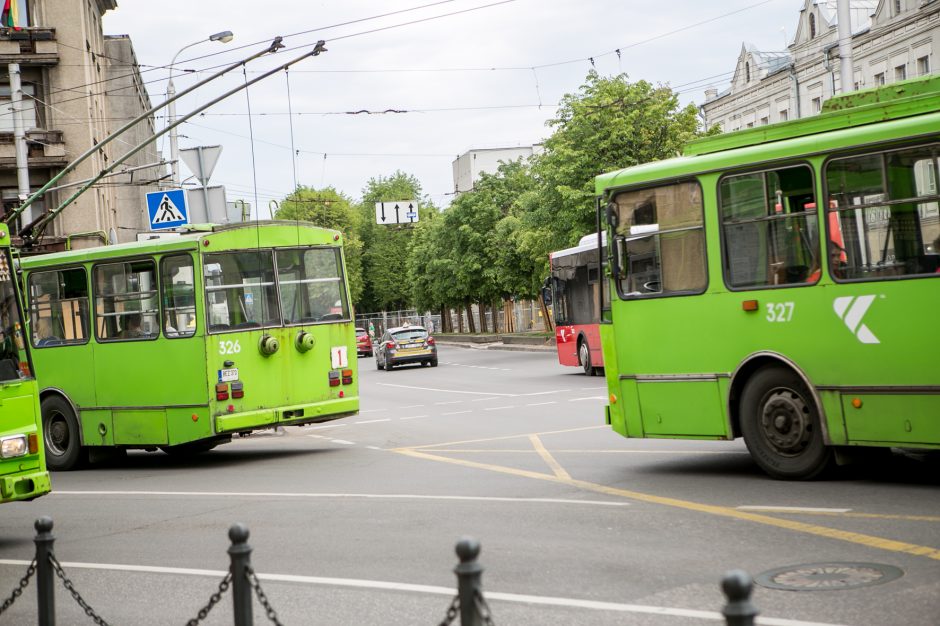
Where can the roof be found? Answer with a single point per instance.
(585, 244)
(860, 12)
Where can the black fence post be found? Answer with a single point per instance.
(240, 553)
(45, 575)
(739, 611)
(469, 573)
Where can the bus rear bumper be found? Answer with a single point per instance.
(287, 416)
(24, 486)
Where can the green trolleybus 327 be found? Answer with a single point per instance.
(179, 343)
(23, 474)
(797, 285)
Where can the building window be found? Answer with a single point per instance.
(897, 7)
(900, 72)
(764, 121)
(784, 115)
(28, 106)
(812, 25)
(817, 105)
(880, 79)
(747, 72)
(923, 66)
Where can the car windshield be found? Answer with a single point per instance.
(410, 334)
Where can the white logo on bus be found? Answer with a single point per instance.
(852, 313)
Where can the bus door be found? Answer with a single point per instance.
(146, 366)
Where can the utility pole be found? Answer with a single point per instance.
(846, 73)
(19, 137)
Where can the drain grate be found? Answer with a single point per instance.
(828, 576)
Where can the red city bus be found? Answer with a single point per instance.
(578, 297)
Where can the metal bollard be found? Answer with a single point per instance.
(240, 553)
(45, 575)
(469, 573)
(737, 586)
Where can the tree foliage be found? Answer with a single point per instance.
(328, 208)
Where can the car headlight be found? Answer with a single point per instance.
(14, 446)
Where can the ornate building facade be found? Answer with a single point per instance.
(891, 40)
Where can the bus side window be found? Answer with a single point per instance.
(59, 307)
(660, 240)
(769, 231)
(889, 229)
(126, 300)
(178, 294)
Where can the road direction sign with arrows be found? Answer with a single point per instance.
(396, 212)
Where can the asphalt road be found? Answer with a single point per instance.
(355, 521)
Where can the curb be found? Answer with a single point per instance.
(498, 346)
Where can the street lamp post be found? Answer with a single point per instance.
(225, 36)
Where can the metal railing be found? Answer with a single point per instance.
(526, 315)
(469, 602)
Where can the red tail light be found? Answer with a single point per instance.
(238, 390)
(430, 341)
(221, 391)
(389, 344)
(334, 378)
(33, 443)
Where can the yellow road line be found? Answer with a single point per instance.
(547, 432)
(904, 518)
(548, 458)
(869, 541)
(575, 451)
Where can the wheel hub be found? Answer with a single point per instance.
(786, 422)
(58, 435)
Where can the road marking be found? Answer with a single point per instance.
(869, 541)
(385, 419)
(347, 496)
(316, 436)
(486, 399)
(584, 451)
(358, 583)
(343, 442)
(588, 398)
(327, 426)
(498, 408)
(474, 393)
(411, 406)
(456, 412)
(449, 402)
(542, 403)
(543, 393)
(548, 458)
(791, 509)
(847, 513)
(371, 411)
(504, 437)
(412, 417)
(373, 447)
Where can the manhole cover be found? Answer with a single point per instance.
(826, 576)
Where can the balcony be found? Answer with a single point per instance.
(32, 45)
(45, 148)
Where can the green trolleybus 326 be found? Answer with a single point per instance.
(179, 343)
(23, 474)
(796, 288)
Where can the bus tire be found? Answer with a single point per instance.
(781, 426)
(61, 434)
(584, 356)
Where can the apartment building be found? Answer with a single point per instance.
(891, 40)
(78, 86)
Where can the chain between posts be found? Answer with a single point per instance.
(452, 612)
(90, 612)
(213, 600)
(262, 598)
(24, 582)
(483, 609)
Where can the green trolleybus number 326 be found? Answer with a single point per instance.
(782, 283)
(181, 343)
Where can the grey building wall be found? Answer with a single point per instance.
(468, 166)
(891, 40)
(66, 62)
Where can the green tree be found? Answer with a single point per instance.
(386, 248)
(329, 209)
(610, 123)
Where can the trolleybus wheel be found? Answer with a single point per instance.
(584, 355)
(781, 426)
(61, 434)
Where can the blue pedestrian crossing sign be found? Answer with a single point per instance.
(167, 209)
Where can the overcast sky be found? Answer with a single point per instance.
(466, 80)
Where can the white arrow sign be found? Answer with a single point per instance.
(396, 212)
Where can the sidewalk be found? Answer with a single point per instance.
(519, 343)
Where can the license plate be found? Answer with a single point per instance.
(228, 375)
(411, 345)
